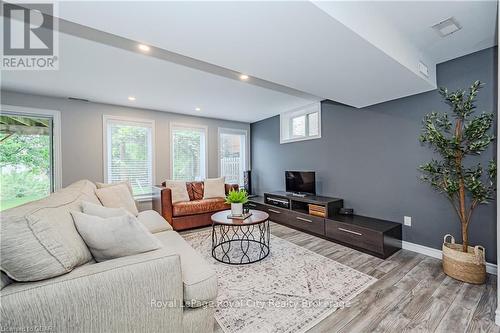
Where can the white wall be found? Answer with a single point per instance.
(82, 141)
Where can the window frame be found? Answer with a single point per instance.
(56, 136)
(286, 119)
(201, 128)
(134, 122)
(225, 130)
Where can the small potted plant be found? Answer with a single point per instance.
(237, 199)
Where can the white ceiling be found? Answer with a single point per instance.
(295, 44)
(106, 74)
(414, 18)
(356, 53)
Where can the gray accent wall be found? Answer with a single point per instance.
(82, 134)
(370, 156)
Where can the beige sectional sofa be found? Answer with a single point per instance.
(50, 282)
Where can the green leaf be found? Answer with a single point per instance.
(454, 141)
(240, 196)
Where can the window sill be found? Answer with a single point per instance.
(143, 198)
(282, 141)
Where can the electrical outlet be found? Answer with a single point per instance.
(407, 220)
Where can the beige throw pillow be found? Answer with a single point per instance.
(125, 182)
(101, 211)
(39, 239)
(214, 188)
(179, 191)
(117, 196)
(153, 221)
(114, 237)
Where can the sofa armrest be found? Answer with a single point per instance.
(229, 187)
(131, 294)
(162, 202)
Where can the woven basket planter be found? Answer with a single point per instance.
(468, 267)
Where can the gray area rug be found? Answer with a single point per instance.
(291, 290)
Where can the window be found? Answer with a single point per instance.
(232, 154)
(301, 124)
(188, 152)
(129, 153)
(30, 167)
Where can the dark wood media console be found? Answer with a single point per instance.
(374, 236)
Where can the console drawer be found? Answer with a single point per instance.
(307, 222)
(356, 236)
(296, 220)
(255, 205)
(276, 214)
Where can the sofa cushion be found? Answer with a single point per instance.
(114, 237)
(39, 239)
(117, 196)
(153, 221)
(198, 276)
(124, 182)
(199, 207)
(214, 188)
(101, 211)
(195, 190)
(179, 191)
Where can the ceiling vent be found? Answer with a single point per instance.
(423, 68)
(447, 27)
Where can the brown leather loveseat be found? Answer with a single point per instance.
(188, 214)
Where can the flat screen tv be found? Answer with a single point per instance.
(300, 182)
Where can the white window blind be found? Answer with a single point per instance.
(232, 154)
(129, 152)
(188, 152)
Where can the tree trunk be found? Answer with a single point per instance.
(465, 237)
(461, 189)
(463, 217)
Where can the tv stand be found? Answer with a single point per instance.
(301, 204)
(374, 236)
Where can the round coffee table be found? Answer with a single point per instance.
(239, 242)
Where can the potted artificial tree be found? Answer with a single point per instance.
(454, 138)
(237, 199)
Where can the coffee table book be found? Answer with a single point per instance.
(239, 217)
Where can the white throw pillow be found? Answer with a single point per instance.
(117, 196)
(153, 221)
(214, 188)
(125, 182)
(179, 191)
(114, 237)
(39, 240)
(101, 211)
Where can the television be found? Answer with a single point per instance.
(300, 182)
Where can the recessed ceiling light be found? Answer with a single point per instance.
(131, 98)
(447, 27)
(243, 77)
(143, 47)
(197, 109)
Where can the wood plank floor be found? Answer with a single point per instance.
(412, 293)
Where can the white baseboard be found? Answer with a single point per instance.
(435, 253)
